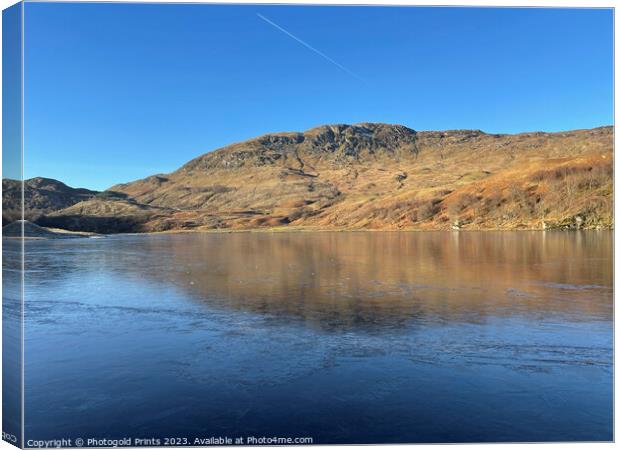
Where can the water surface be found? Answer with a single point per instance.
(342, 337)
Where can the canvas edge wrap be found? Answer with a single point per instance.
(13, 248)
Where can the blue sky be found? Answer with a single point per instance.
(116, 92)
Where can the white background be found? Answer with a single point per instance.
(521, 3)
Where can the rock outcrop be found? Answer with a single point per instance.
(367, 176)
(41, 196)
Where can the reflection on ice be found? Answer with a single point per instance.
(346, 337)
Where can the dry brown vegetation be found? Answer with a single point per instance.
(41, 196)
(373, 176)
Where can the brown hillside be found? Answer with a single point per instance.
(41, 196)
(376, 176)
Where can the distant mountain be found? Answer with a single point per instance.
(370, 176)
(41, 196)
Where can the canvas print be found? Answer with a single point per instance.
(230, 224)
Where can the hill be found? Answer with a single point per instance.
(29, 230)
(370, 176)
(41, 196)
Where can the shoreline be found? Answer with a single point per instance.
(325, 230)
(304, 231)
(44, 233)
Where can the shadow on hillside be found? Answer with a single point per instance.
(95, 224)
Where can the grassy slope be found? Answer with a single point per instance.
(515, 182)
(482, 181)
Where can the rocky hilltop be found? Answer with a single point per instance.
(41, 196)
(369, 176)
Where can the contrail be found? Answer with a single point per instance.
(305, 44)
